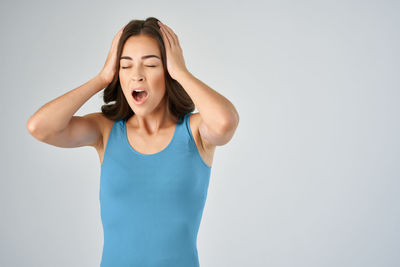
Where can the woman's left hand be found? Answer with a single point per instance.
(175, 62)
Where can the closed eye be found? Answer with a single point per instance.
(152, 66)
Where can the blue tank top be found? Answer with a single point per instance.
(152, 204)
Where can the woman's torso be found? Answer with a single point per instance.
(151, 204)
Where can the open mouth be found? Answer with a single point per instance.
(139, 96)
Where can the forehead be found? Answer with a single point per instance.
(136, 46)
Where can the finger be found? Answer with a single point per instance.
(176, 39)
(171, 34)
(166, 38)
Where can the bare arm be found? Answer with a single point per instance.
(54, 122)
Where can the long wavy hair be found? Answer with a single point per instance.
(178, 101)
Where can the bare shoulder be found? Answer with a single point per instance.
(101, 120)
(205, 148)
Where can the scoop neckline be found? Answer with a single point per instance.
(125, 130)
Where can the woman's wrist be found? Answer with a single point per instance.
(103, 80)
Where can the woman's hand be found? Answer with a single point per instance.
(175, 62)
(108, 71)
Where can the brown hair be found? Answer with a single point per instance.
(178, 101)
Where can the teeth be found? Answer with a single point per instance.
(139, 90)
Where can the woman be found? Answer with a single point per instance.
(155, 154)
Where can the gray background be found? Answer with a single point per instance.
(311, 176)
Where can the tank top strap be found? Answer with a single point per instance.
(114, 143)
(181, 131)
(117, 131)
(186, 128)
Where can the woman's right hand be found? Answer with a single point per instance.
(108, 71)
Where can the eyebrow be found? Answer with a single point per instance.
(143, 57)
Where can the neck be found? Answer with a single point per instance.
(153, 123)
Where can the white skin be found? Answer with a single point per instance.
(153, 115)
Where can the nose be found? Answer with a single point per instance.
(137, 78)
(137, 75)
